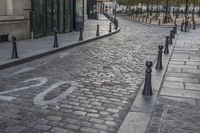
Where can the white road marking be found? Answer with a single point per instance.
(7, 98)
(39, 99)
(42, 80)
(62, 55)
(27, 69)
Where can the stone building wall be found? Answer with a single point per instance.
(15, 18)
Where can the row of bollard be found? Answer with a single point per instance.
(159, 21)
(147, 90)
(145, 19)
(97, 31)
(113, 20)
(55, 45)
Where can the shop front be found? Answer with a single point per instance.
(91, 9)
(65, 15)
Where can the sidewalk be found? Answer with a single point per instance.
(30, 49)
(175, 104)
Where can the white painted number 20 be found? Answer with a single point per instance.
(39, 98)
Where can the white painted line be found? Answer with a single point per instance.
(42, 80)
(27, 69)
(23, 70)
(7, 98)
(39, 99)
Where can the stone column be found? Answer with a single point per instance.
(2, 7)
(9, 7)
(85, 9)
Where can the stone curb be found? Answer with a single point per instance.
(42, 53)
(141, 111)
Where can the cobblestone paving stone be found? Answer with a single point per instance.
(178, 106)
(108, 73)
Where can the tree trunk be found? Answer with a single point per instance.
(166, 11)
(199, 10)
(148, 10)
(193, 11)
(157, 10)
(141, 9)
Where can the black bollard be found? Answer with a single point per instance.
(175, 22)
(81, 34)
(194, 25)
(14, 48)
(147, 91)
(170, 38)
(116, 24)
(55, 45)
(182, 26)
(166, 51)
(159, 22)
(110, 28)
(97, 32)
(175, 29)
(172, 33)
(159, 58)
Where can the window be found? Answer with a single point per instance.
(6, 7)
(2, 7)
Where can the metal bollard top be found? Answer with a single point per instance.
(14, 38)
(149, 64)
(81, 28)
(160, 47)
(55, 29)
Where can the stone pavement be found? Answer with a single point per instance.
(29, 48)
(175, 105)
(155, 23)
(177, 108)
(84, 89)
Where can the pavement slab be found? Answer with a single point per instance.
(177, 106)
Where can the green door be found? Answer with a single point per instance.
(67, 15)
(48, 14)
(49, 17)
(52, 18)
(38, 17)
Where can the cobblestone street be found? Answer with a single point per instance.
(88, 88)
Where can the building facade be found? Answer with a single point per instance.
(37, 18)
(14, 19)
(105, 6)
